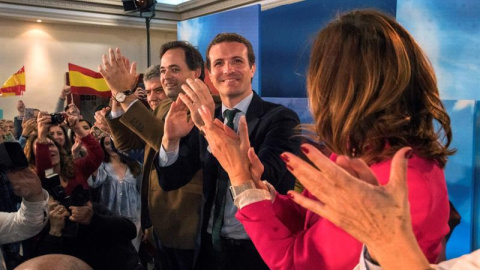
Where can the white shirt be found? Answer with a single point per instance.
(26, 222)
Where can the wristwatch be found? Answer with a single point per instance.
(237, 190)
(121, 96)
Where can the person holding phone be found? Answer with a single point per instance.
(43, 152)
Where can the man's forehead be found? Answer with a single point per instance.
(152, 83)
(173, 57)
(228, 49)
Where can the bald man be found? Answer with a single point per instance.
(54, 262)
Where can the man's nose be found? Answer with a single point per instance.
(228, 68)
(167, 74)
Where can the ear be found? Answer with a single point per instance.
(198, 71)
(253, 69)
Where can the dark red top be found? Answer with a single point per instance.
(84, 167)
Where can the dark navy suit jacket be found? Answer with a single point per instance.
(271, 132)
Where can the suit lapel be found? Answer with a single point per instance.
(254, 112)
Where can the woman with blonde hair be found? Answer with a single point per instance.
(372, 91)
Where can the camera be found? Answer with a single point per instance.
(79, 197)
(12, 157)
(57, 118)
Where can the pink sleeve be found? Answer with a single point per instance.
(428, 197)
(289, 213)
(429, 208)
(320, 245)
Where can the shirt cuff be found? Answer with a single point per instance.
(114, 115)
(250, 196)
(32, 209)
(167, 158)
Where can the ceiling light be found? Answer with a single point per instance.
(39, 21)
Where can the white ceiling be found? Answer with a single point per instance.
(111, 13)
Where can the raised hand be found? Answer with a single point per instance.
(256, 169)
(101, 121)
(26, 184)
(117, 71)
(65, 92)
(73, 110)
(197, 95)
(77, 146)
(230, 149)
(350, 197)
(44, 121)
(177, 125)
(28, 127)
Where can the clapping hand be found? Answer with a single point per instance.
(197, 95)
(117, 71)
(26, 184)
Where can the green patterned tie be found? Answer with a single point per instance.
(222, 185)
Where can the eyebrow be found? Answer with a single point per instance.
(155, 89)
(171, 66)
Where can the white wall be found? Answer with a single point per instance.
(46, 50)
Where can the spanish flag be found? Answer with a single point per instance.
(84, 81)
(15, 85)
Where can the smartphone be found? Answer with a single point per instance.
(30, 113)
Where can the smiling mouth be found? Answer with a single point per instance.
(171, 84)
(230, 80)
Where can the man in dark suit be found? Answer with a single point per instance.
(231, 65)
(174, 215)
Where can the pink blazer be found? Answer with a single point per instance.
(288, 236)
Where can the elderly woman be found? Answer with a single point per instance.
(372, 91)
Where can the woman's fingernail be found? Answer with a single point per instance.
(290, 168)
(305, 150)
(285, 158)
(290, 195)
(408, 154)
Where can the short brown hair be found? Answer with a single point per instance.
(372, 90)
(231, 37)
(193, 57)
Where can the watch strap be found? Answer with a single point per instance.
(237, 190)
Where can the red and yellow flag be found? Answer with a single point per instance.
(84, 81)
(15, 85)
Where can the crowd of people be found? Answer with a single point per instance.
(172, 177)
